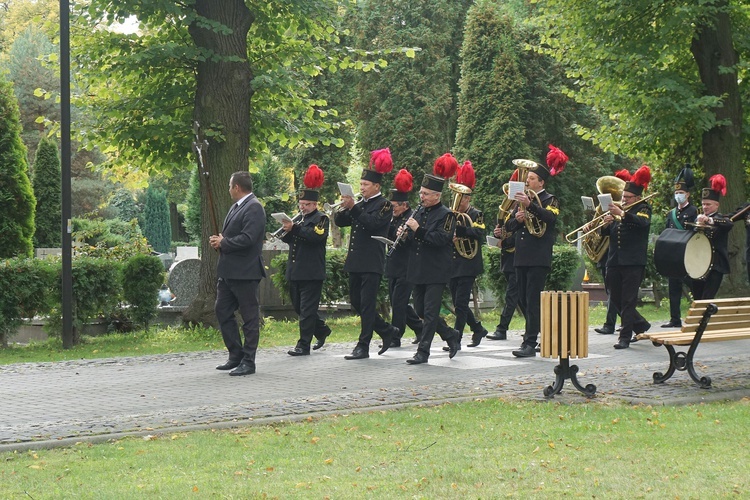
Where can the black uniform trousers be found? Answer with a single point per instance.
(675, 297)
(531, 282)
(232, 295)
(611, 319)
(460, 288)
(427, 302)
(511, 301)
(305, 295)
(708, 288)
(623, 283)
(363, 296)
(402, 313)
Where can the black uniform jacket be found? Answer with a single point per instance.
(628, 237)
(431, 250)
(307, 248)
(532, 250)
(240, 254)
(718, 234)
(367, 218)
(469, 267)
(397, 263)
(684, 215)
(507, 249)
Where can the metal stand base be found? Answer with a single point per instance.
(565, 371)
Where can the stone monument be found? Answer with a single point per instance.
(183, 281)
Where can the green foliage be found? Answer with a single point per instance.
(156, 225)
(272, 183)
(16, 195)
(112, 239)
(142, 275)
(124, 202)
(96, 289)
(48, 192)
(193, 208)
(27, 286)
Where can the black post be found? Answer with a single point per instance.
(68, 337)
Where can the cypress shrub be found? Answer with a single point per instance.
(48, 192)
(156, 225)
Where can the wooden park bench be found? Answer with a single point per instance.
(706, 321)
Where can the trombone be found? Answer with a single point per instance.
(330, 209)
(598, 221)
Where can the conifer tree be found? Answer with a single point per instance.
(156, 226)
(48, 193)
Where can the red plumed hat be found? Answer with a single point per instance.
(466, 175)
(403, 182)
(623, 174)
(445, 166)
(312, 180)
(639, 181)
(382, 160)
(556, 160)
(717, 188)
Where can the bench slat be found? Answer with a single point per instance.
(681, 338)
(718, 325)
(736, 301)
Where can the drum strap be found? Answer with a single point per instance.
(673, 214)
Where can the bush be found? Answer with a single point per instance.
(156, 225)
(142, 275)
(112, 239)
(27, 286)
(48, 193)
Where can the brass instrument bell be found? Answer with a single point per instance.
(466, 247)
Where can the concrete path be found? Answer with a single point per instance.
(52, 404)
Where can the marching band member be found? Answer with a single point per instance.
(716, 227)
(306, 263)
(365, 260)
(533, 256)
(396, 262)
(431, 249)
(678, 218)
(628, 248)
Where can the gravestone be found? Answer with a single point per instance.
(183, 253)
(183, 281)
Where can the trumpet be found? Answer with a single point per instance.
(329, 209)
(598, 221)
(280, 233)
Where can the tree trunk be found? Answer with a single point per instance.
(222, 108)
(713, 51)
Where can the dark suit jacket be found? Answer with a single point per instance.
(244, 229)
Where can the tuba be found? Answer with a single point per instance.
(466, 247)
(594, 244)
(534, 226)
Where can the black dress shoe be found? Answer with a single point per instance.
(496, 335)
(454, 345)
(415, 341)
(298, 351)
(396, 343)
(604, 331)
(229, 365)
(641, 327)
(243, 369)
(526, 351)
(418, 358)
(476, 337)
(672, 324)
(358, 353)
(622, 344)
(390, 335)
(322, 339)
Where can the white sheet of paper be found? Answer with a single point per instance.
(492, 241)
(515, 187)
(588, 203)
(345, 189)
(281, 217)
(605, 200)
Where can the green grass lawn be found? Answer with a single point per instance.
(481, 449)
(274, 333)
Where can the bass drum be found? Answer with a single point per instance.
(679, 253)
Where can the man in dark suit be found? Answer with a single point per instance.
(365, 261)
(306, 264)
(239, 272)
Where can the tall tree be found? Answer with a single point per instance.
(17, 215)
(46, 180)
(156, 226)
(666, 74)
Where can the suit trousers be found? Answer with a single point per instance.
(708, 288)
(460, 288)
(610, 322)
(402, 313)
(675, 297)
(427, 302)
(511, 301)
(531, 282)
(363, 295)
(232, 295)
(305, 296)
(623, 283)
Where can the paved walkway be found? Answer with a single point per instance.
(49, 404)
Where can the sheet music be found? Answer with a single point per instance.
(345, 189)
(588, 203)
(281, 217)
(492, 241)
(515, 187)
(605, 200)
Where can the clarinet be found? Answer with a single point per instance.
(404, 230)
